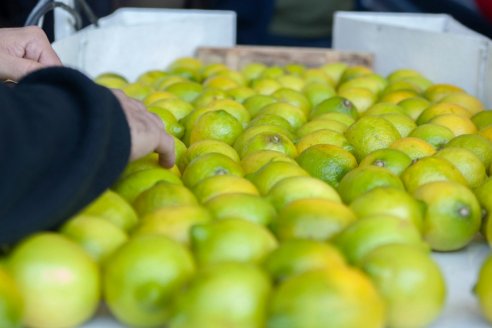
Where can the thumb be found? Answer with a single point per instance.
(15, 68)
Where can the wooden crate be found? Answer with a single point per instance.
(239, 56)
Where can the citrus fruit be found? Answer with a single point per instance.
(59, 282)
(414, 302)
(383, 108)
(255, 103)
(401, 74)
(167, 81)
(244, 290)
(133, 185)
(397, 96)
(321, 124)
(353, 72)
(300, 187)
(439, 109)
(363, 179)
(335, 104)
(208, 96)
(240, 94)
(231, 240)
(185, 62)
(186, 90)
(11, 302)
(469, 165)
(483, 288)
(334, 70)
(363, 236)
(327, 162)
(271, 119)
(317, 75)
(205, 147)
(265, 86)
(163, 194)
(273, 172)
(477, 144)
(482, 119)
(220, 82)
(295, 116)
(362, 98)
(294, 98)
(171, 124)
(436, 135)
(339, 297)
(250, 132)
(208, 165)
(173, 222)
(469, 102)
(389, 201)
(137, 91)
(317, 92)
(223, 184)
(268, 141)
(438, 91)
(113, 208)
(312, 218)
(272, 72)
(401, 122)
(430, 169)
(413, 107)
(371, 133)
(394, 160)
(458, 124)
(254, 161)
(295, 256)
(178, 107)
(294, 69)
(141, 279)
(111, 80)
(252, 71)
(156, 96)
(415, 148)
(99, 238)
(211, 69)
(339, 117)
(324, 137)
(241, 206)
(452, 216)
(216, 125)
(151, 77)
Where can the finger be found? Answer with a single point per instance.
(15, 68)
(165, 149)
(39, 48)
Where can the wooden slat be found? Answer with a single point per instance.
(238, 57)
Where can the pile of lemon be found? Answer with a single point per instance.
(301, 197)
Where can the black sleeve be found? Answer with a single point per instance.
(63, 141)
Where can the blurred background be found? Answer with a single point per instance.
(276, 22)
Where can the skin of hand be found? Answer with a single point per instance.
(23, 50)
(147, 131)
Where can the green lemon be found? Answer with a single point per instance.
(11, 302)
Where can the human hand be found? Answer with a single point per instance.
(23, 50)
(147, 131)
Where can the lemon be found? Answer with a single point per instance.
(231, 240)
(334, 70)
(271, 119)
(339, 297)
(452, 216)
(291, 82)
(394, 160)
(437, 92)
(371, 133)
(397, 96)
(244, 290)
(272, 173)
(216, 125)
(486, 132)
(137, 289)
(294, 69)
(167, 81)
(208, 96)
(223, 184)
(469, 165)
(173, 222)
(362, 98)
(113, 208)
(97, 237)
(265, 86)
(439, 109)
(272, 72)
(220, 82)
(477, 144)
(137, 91)
(383, 108)
(186, 62)
(296, 256)
(186, 90)
(213, 68)
(151, 77)
(414, 106)
(133, 185)
(157, 96)
(402, 85)
(483, 288)
(410, 302)
(205, 147)
(415, 148)
(401, 122)
(321, 124)
(163, 194)
(300, 187)
(231, 75)
(252, 71)
(456, 123)
(178, 107)
(255, 161)
(12, 303)
(208, 165)
(111, 80)
(323, 137)
(335, 104)
(352, 72)
(59, 282)
(294, 98)
(255, 103)
(295, 116)
(469, 102)
(151, 161)
(430, 169)
(363, 236)
(363, 179)
(482, 119)
(339, 117)
(401, 74)
(171, 124)
(317, 75)
(317, 92)
(241, 206)
(389, 201)
(250, 132)
(327, 162)
(268, 141)
(312, 218)
(436, 135)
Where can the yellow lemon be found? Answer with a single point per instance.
(362, 98)
(254, 161)
(415, 148)
(438, 91)
(205, 147)
(323, 137)
(470, 166)
(483, 288)
(477, 144)
(456, 123)
(223, 184)
(436, 135)
(439, 109)
(414, 106)
(273, 172)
